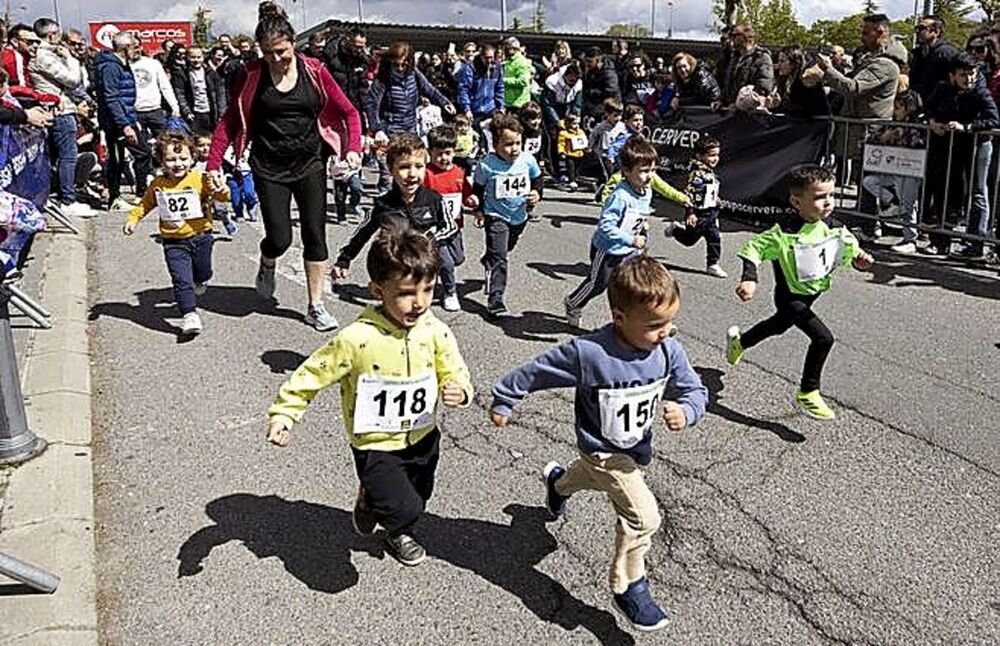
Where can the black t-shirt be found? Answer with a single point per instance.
(286, 142)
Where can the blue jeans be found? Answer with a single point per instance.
(347, 194)
(189, 262)
(979, 213)
(63, 139)
(906, 190)
(242, 193)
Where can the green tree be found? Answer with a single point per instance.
(202, 27)
(774, 21)
(991, 8)
(628, 30)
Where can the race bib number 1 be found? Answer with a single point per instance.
(508, 186)
(394, 404)
(628, 413)
(815, 261)
(711, 198)
(177, 206)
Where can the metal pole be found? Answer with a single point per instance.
(361, 11)
(928, 7)
(652, 18)
(17, 442)
(55, 10)
(503, 15)
(670, 24)
(28, 574)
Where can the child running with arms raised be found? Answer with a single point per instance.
(626, 374)
(804, 251)
(393, 364)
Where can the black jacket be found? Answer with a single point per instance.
(598, 85)
(350, 73)
(426, 214)
(700, 88)
(804, 101)
(974, 109)
(929, 68)
(185, 94)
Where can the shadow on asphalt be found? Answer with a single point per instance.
(890, 267)
(557, 271)
(712, 379)
(282, 361)
(315, 542)
(528, 325)
(155, 305)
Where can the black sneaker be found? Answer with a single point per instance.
(363, 517)
(554, 501)
(640, 608)
(497, 308)
(405, 549)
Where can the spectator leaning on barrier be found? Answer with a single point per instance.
(17, 56)
(750, 65)
(14, 115)
(517, 74)
(198, 90)
(562, 95)
(794, 96)
(54, 71)
(694, 83)
(931, 57)
(600, 82)
(481, 90)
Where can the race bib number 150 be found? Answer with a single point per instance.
(628, 413)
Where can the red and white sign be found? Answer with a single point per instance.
(150, 33)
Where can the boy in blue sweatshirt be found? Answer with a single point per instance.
(625, 374)
(621, 229)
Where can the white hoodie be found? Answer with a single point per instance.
(152, 86)
(557, 84)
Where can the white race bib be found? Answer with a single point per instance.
(817, 260)
(634, 222)
(394, 404)
(711, 199)
(628, 413)
(533, 145)
(452, 204)
(176, 206)
(578, 142)
(508, 186)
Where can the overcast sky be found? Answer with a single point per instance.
(690, 17)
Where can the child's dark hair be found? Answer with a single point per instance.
(612, 106)
(911, 101)
(531, 110)
(963, 61)
(442, 137)
(272, 21)
(706, 143)
(802, 177)
(503, 121)
(174, 141)
(462, 120)
(637, 151)
(406, 143)
(633, 109)
(641, 280)
(400, 251)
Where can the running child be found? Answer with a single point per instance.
(393, 364)
(507, 181)
(703, 213)
(621, 229)
(605, 132)
(467, 145)
(448, 180)
(409, 201)
(183, 198)
(242, 191)
(220, 209)
(625, 374)
(804, 251)
(532, 136)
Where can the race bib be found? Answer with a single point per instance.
(533, 145)
(176, 206)
(578, 143)
(817, 260)
(634, 222)
(394, 404)
(628, 413)
(711, 197)
(452, 204)
(508, 186)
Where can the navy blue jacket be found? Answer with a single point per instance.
(930, 68)
(114, 89)
(392, 107)
(974, 108)
(480, 94)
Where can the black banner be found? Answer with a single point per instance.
(758, 150)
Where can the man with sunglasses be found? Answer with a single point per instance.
(932, 56)
(18, 54)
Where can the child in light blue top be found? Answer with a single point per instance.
(507, 185)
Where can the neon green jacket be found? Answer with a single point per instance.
(808, 252)
(658, 184)
(374, 345)
(517, 73)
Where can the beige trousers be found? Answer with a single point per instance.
(617, 475)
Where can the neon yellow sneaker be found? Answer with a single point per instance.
(813, 405)
(734, 346)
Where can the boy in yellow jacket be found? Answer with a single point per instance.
(184, 199)
(571, 144)
(393, 364)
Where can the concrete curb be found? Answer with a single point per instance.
(48, 518)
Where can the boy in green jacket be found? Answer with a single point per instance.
(805, 251)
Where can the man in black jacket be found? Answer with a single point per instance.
(199, 93)
(347, 60)
(600, 82)
(931, 58)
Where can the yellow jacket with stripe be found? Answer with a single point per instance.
(658, 184)
(374, 345)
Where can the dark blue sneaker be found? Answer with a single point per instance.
(554, 502)
(640, 608)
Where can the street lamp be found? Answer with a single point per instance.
(670, 24)
(652, 18)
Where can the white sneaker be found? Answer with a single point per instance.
(120, 205)
(904, 248)
(78, 210)
(191, 326)
(671, 227)
(573, 314)
(451, 303)
(200, 289)
(574, 185)
(717, 271)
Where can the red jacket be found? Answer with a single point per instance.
(338, 119)
(16, 65)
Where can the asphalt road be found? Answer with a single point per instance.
(880, 528)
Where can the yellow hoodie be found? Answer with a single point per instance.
(184, 205)
(372, 356)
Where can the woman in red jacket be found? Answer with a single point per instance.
(293, 115)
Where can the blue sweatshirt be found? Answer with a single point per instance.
(622, 219)
(619, 389)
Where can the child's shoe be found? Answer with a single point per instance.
(265, 281)
(554, 501)
(640, 608)
(497, 308)
(717, 271)
(573, 314)
(734, 346)
(573, 185)
(191, 325)
(320, 318)
(405, 549)
(363, 518)
(451, 303)
(253, 213)
(200, 289)
(813, 405)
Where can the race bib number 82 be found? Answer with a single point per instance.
(177, 206)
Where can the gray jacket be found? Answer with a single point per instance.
(869, 88)
(754, 69)
(53, 74)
